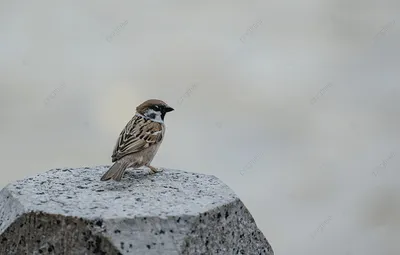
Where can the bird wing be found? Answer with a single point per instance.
(138, 134)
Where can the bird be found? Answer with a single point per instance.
(140, 140)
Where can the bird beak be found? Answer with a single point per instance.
(168, 109)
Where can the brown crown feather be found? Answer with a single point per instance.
(145, 105)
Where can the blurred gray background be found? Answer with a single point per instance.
(294, 104)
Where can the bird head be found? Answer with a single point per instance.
(154, 109)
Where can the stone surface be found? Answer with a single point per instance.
(69, 211)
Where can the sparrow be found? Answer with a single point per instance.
(139, 141)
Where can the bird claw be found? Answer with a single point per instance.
(154, 170)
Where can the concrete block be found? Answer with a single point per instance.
(69, 211)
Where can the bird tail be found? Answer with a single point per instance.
(116, 171)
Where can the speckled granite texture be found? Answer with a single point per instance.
(69, 211)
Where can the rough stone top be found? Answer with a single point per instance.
(79, 192)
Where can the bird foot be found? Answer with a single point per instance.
(154, 170)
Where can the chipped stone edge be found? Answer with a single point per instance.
(10, 205)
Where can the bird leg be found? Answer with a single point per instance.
(154, 170)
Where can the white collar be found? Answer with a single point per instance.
(145, 117)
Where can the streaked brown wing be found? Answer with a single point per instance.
(138, 134)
